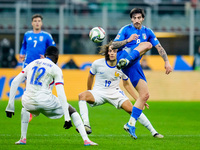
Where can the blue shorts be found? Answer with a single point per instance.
(133, 70)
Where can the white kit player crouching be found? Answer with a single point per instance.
(106, 89)
(38, 97)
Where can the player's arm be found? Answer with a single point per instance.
(90, 81)
(129, 88)
(23, 50)
(10, 109)
(118, 44)
(63, 99)
(163, 54)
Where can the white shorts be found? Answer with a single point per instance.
(50, 107)
(116, 99)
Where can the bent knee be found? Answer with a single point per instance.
(145, 96)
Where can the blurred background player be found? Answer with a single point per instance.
(35, 43)
(106, 89)
(134, 40)
(38, 97)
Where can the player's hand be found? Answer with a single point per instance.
(133, 37)
(168, 67)
(9, 114)
(146, 105)
(21, 58)
(41, 56)
(122, 63)
(67, 125)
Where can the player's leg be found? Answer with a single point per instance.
(24, 126)
(145, 122)
(79, 125)
(85, 97)
(127, 106)
(140, 50)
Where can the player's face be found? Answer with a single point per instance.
(112, 54)
(137, 20)
(37, 23)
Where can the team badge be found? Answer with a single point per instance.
(144, 36)
(116, 74)
(41, 38)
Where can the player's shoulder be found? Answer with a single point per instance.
(99, 61)
(125, 27)
(147, 29)
(45, 33)
(28, 32)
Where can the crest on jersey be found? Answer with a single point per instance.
(144, 36)
(41, 38)
(116, 74)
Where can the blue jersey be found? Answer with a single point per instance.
(35, 44)
(134, 70)
(145, 35)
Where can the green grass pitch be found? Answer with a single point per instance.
(179, 122)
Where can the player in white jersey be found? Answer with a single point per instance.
(106, 89)
(38, 97)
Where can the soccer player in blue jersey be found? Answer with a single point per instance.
(134, 40)
(35, 42)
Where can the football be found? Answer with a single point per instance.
(97, 34)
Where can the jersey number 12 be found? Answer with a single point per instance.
(37, 74)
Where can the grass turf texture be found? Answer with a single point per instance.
(178, 121)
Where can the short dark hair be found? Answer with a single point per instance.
(137, 11)
(37, 16)
(51, 51)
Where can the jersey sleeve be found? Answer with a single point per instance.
(152, 38)
(50, 41)
(23, 48)
(124, 77)
(58, 77)
(93, 70)
(121, 34)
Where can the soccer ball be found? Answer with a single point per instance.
(97, 34)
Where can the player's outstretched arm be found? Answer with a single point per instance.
(163, 54)
(118, 44)
(63, 99)
(129, 88)
(90, 81)
(10, 109)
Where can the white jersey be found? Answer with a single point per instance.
(107, 77)
(38, 97)
(40, 74)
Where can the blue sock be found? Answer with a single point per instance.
(136, 112)
(134, 54)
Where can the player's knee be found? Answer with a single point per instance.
(71, 110)
(145, 96)
(148, 45)
(82, 96)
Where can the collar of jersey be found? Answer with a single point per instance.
(109, 65)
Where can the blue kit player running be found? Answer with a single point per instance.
(134, 40)
(35, 42)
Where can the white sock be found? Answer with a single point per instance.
(145, 122)
(79, 125)
(132, 121)
(84, 112)
(25, 115)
